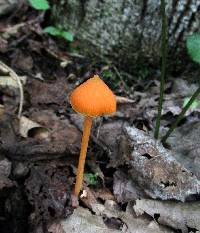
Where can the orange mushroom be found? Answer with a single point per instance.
(93, 98)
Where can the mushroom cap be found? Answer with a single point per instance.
(93, 98)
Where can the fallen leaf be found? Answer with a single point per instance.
(179, 216)
(20, 170)
(124, 188)
(3, 45)
(6, 184)
(55, 92)
(64, 139)
(184, 142)
(7, 6)
(83, 220)
(12, 30)
(55, 227)
(7, 81)
(26, 126)
(5, 167)
(23, 61)
(183, 88)
(125, 221)
(112, 132)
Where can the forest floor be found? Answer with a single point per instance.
(131, 184)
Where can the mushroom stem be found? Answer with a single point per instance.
(84, 144)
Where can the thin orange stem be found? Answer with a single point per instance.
(84, 144)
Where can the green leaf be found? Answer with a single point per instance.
(194, 104)
(91, 178)
(40, 4)
(107, 74)
(193, 47)
(55, 31)
(67, 35)
(52, 31)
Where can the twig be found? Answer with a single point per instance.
(180, 116)
(98, 129)
(124, 100)
(121, 79)
(13, 75)
(163, 69)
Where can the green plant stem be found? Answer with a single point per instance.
(180, 116)
(163, 68)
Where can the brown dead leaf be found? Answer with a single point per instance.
(11, 30)
(64, 139)
(55, 92)
(5, 167)
(113, 220)
(28, 127)
(104, 194)
(112, 132)
(20, 170)
(51, 47)
(23, 61)
(35, 46)
(55, 227)
(183, 88)
(146, 103)
(3, 45)
(7, 6)
(179, 216)
(184, 142)
(124, 188)
(83, 221)
(5, 183)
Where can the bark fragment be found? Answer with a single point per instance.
(155, 169)
(48, 189)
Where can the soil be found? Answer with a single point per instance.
(38, 158)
